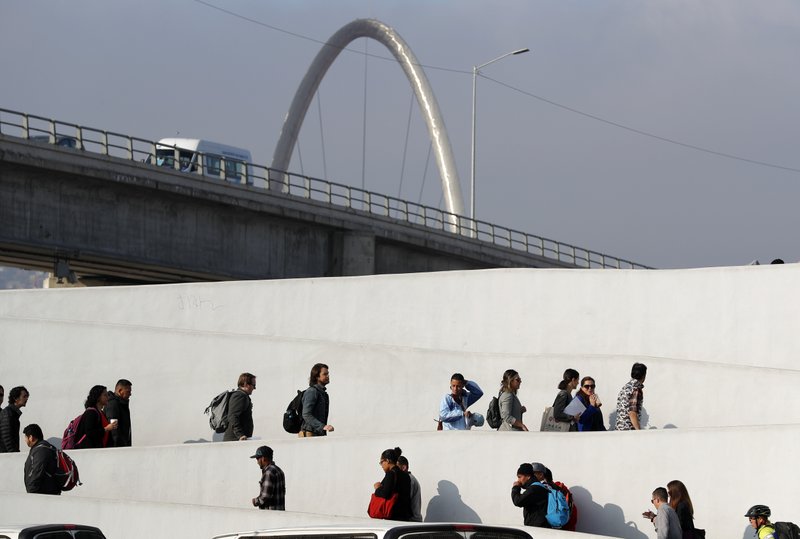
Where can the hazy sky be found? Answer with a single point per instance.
(721, 74)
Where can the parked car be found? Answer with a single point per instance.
(51, 531)
(387, 530)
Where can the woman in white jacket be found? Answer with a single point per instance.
(511, 409)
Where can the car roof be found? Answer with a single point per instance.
(371, 528)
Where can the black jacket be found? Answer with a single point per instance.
(534, 504)
(240, 416)
(396, 480)
(120, 410)
(40, 469)
(91, 431)
(9, 429)
(315, 410)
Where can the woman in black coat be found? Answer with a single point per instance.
(94, 428)
(394, 481)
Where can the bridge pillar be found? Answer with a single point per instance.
(358, 253)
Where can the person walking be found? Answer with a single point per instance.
(416, 493)
(680, 501)
(42, 464)
(533, 499)
(272, 494)
(240, 410)
(592, 418)
(453, 411)
(316, 403)
(118, 408)
(511, 409)
(565, 387)
(94, 428)
(665, 519)
(9, 419)
(395, 481)
(759, 520)
(630, 400)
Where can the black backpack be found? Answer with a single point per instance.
(293, 416)
(218, 412)
(493, 413)
(786, 530)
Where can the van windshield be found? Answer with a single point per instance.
(165, 157)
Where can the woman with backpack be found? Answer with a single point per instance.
(511, 409)
(94, 427)
(395, 484)
(568, 383)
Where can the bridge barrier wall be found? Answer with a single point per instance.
(466, 476)
(722, 335)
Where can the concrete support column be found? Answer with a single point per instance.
(358, 253)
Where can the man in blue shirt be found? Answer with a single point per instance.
(453, 411)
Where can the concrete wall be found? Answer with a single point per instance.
(403, 336)
(467, 476)
(720, 343)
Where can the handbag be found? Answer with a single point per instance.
(381, 507)
(549, 423)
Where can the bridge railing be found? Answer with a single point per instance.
(78, 137)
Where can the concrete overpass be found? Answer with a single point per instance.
(120, 218)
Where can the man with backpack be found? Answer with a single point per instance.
(41, 465)
(759, 520)
(240, 410)
(534, 498)
(316, 403)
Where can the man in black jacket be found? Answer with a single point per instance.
(118, 408)
(240, 410)
(41, 465)
(534, 500)
(316, 403)
(9, 420)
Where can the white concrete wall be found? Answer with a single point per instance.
(720, 345)
(467, 476)
(698, 330)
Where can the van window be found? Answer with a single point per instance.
(61, 534)
(88, 534)
(166, 158)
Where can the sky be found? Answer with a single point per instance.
(570, 139)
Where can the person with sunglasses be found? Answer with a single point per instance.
(592, 418)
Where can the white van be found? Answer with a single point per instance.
(387, 530)
(204, 157)
(51, 531)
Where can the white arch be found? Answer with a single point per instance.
(384, 34)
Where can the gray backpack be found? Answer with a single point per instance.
(218, 412)
(493, 413)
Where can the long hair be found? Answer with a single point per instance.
(581, 392)
(505, 383)
(244, 379)
(94, 396)
(315, 370)
(678, 494)
(569, 375)
(392, 454)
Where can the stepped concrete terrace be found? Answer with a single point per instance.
(720, 345)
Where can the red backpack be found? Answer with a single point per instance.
(68, 440)
(67, 475)
(573, 509)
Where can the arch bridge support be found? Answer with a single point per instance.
(426, 100)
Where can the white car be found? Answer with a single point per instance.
(387, 530)
(51, 531)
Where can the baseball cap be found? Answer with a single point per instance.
(263, 451)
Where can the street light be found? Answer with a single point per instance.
(475, 71)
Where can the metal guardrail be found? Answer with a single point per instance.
(81, 138)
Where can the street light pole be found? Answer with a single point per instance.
(475, 71)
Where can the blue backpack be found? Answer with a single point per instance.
(557, 506)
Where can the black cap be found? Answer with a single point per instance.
(263, 451)
(525, 469)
